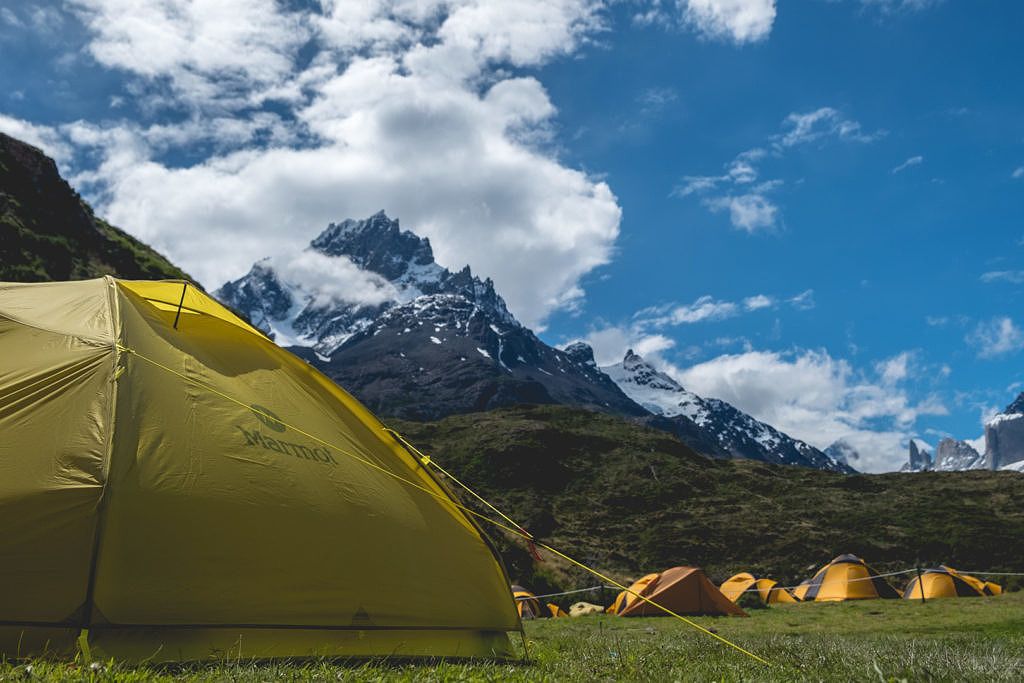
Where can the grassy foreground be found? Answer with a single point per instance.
(882, 640)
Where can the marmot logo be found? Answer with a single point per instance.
(267, 417)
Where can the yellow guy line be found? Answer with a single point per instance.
(427, 460)
(519, 531)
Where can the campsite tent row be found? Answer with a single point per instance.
(848, 577)
(686, 590)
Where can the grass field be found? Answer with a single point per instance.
(879, 640)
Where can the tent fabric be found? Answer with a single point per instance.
(735, 587)
(940, 583)
(556, 611)
(984, 587)
(528, 605)
(847, 577)
(165, 487)
(684, 590)
(584, 609)
(992, 588)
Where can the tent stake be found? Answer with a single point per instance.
(177, 315)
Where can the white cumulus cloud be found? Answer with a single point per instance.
(818, 398)
(383, 104)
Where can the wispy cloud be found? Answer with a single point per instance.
(708, 309)
(996, 337)
(826, 122)
(912, 161)
(750, 212)
(1018, 173)
(1013, 276)
(737, 21)
(737, 189)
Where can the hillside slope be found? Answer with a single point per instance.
(631, 499)
(47, 232)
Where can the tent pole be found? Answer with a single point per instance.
(177, 315)
(920, 583)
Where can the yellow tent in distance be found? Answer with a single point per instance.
(744, 583)
(847, 577)
(178, 487)
(941, 583)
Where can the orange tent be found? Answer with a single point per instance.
(736, 586)
(684, 590)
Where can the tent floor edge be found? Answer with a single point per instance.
(169, 644)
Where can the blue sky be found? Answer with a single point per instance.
(808, 208)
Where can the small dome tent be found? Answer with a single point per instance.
(177, 487)
(847, 577)
(527, 604)
(684, 590)
(940, 583)
(745, 584)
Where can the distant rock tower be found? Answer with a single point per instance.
(1004, 436)
(920, 459)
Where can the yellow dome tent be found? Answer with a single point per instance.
(941, 583)
(684, 590)
(528, 605)
(176, 487)
(735, 587)
(556, 611)
(847, 577)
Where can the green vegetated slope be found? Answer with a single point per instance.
(631, 500)
(47, 232)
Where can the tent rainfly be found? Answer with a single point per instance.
(684, 590)
(941, 583)
(744, 583)
(528, 605)
(177, 487)
(847, 577)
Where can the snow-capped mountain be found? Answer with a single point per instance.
(1004, 436)
(298, 302)
(711, 426)
(432, 343)
(367, 304)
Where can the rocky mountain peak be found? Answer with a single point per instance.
(376, 244)
(919, 459)
(952, 455)
(708, 425)
(1017, 407)
(581, 353)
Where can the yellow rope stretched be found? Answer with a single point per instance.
(427, 460)
(516, 529)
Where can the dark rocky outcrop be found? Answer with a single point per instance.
(47, 232)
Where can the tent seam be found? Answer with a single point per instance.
(101, 504)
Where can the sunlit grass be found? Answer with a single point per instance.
(881, 640)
